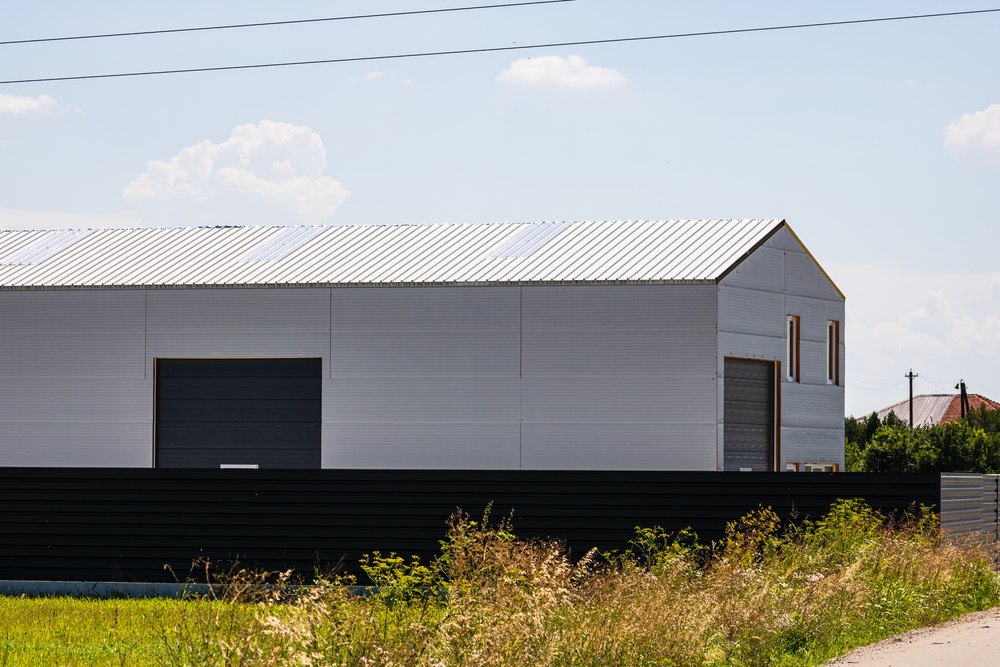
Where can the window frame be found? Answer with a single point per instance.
(833, 352)
(793, 337)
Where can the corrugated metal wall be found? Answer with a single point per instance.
(777, 280)
(582, 377)
(618, 377)
(124, 525)
(423, 378)
(72, 387)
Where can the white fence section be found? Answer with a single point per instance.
(969, 504)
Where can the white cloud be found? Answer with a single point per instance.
(17, 219)
(978, 132)
(572, 72)
(373, 75)
(16, 105)
(266, 174)
(945, 326)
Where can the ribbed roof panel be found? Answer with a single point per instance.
(620, 251)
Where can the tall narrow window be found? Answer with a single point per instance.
(792, 356)
(833, 352)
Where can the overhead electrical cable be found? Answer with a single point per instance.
(854, 386)
(139, 33)
(494, 49)
(894, 377)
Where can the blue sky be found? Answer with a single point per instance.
(865, 138)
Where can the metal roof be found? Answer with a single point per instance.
(662, 251)
(928, 409)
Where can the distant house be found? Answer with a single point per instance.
(934, 409)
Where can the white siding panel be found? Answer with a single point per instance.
(783, 240)
(618, 447)
(440, 446)
(446, 354)
(239, 311)
(813, 362)
(749, 311)
(72, 311)
(619, 401)
(412, 401)
(76, 444)
(77, 400)
(591, 354)
(238, 344)
(751, 347)
(812, 445)
(804, 278)
(620, 308)
(52, 354)
(812, 406)
(763, 270)
(414, 310)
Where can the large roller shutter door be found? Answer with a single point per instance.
(263, 412)
(748, 414)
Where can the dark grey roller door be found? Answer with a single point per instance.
(264, 412)
(748, 414)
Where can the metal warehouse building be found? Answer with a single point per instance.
(657, 345)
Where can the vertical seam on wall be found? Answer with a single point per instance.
(145, 324)
(330, 332)
(520, 371)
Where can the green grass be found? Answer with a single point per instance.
(71, 631)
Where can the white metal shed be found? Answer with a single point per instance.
(653, 345)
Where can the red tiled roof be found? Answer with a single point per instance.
(954, 411)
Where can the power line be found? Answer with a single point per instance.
(273, 23)
(894, 377)
(495, 49)
(886, 388)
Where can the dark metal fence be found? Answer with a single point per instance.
(86, 524)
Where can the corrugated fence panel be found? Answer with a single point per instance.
(124, 525)
(961, 503)
(991, 507)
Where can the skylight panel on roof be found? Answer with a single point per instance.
(282, 244)
(48, 246)
(529, 240)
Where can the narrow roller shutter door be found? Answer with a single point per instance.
(748, 414)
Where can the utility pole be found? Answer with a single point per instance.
(964, 398)
(911, 375)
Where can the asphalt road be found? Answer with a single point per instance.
(970, 641)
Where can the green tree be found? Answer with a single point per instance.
(988, 420)
(890, 450)
(960, 446)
